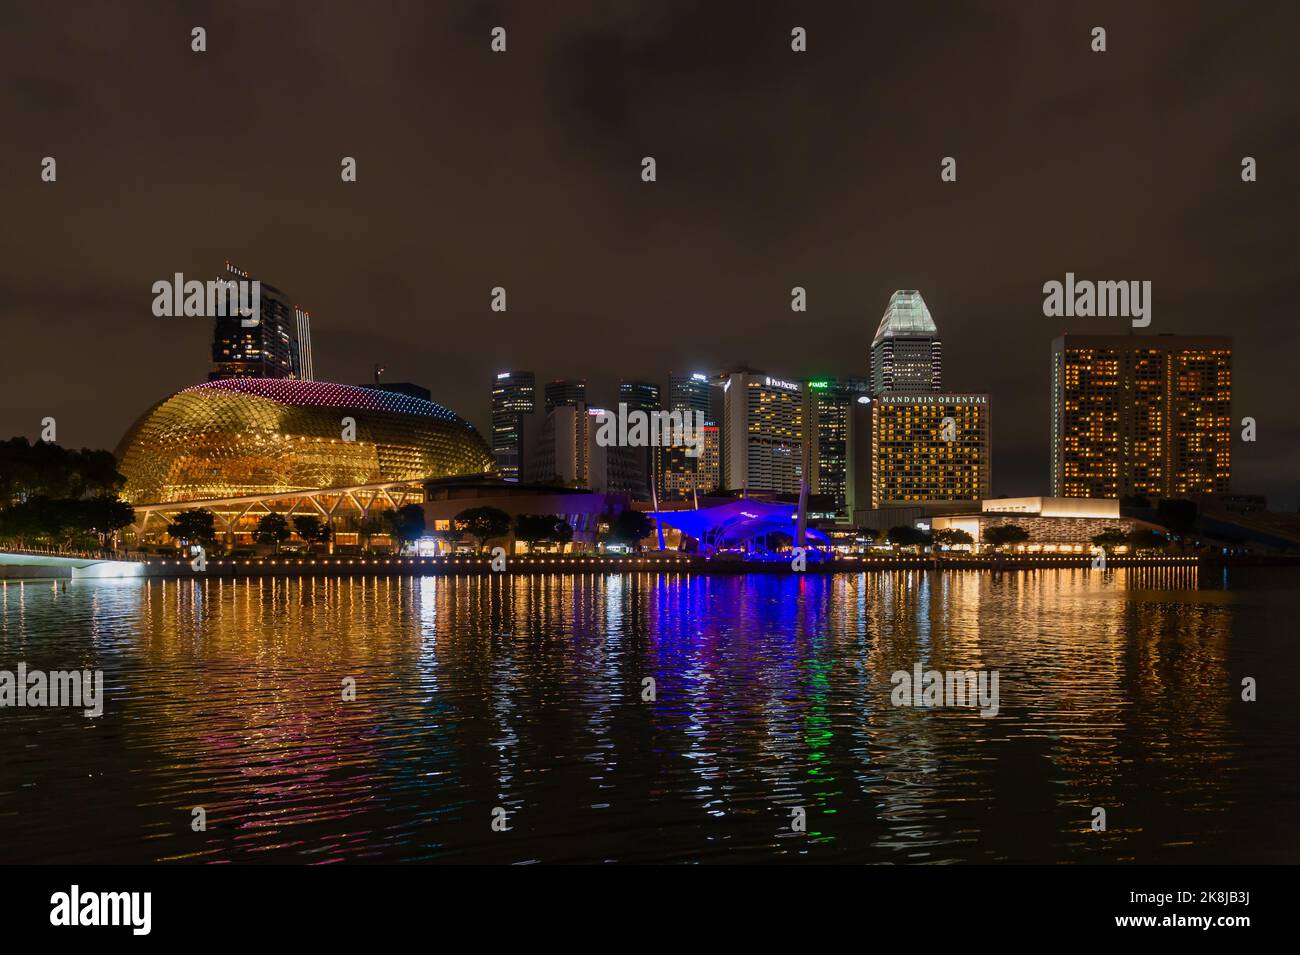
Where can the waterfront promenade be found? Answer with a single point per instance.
(45, 566)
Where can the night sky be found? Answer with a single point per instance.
(522, 169)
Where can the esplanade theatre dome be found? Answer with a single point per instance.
(254, 436)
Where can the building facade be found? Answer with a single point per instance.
(1054, 525)
(929, 447)
(561, 449)
(1141, 415)
(683, 477)
(763, 418)
(906, 353)
(251, 437)
(694, 392)
(834, 430)
(269, 348)
(514, 397)
(560, 392)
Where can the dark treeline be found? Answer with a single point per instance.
(59, 497)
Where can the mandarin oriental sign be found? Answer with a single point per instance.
(934, 399)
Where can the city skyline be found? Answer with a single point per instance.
(760, 189)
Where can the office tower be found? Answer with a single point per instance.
(514, 396)
(763, 418)
(695, 392)
(640, 396)
(683, 477)
(560, 392)
(929, 447)
(833, 430)
(635, 466)
(679, 476)
(906, 354)
(561, 448)
(305, 370)
(1141, 415)
(267, 349)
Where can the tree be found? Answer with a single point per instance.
(1002, 535)
(37, 518)
(905, 535)
(272, 529)
(630, 527)
(104, 514)
(1110, 538)
(367, 527)
(533, 528)
(1144, 538)
(543, 528)
(49, 470)
(195, 526)
(405, 524)
(311, 529)
(482, 523)
(953, 537)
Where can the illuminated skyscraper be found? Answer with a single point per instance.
(268, 348)
(763, 418)
(929, 447)
(695, 392)
(836, 437)
(906, 354)
(514, 395)
(305, 370)
(1141, 415)
(679, 476)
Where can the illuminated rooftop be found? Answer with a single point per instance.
(906, 316)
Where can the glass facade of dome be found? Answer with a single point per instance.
(255, 436)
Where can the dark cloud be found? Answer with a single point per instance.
(522, 170)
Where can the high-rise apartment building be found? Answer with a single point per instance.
(763, 418)
(514, 396)
(1141, 415)
(906, 354)
(267, 348)
(929, 447)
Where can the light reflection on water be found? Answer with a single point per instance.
(1118, 690)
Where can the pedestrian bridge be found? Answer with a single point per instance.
(18, 565)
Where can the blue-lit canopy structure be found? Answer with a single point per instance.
(738, 525)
